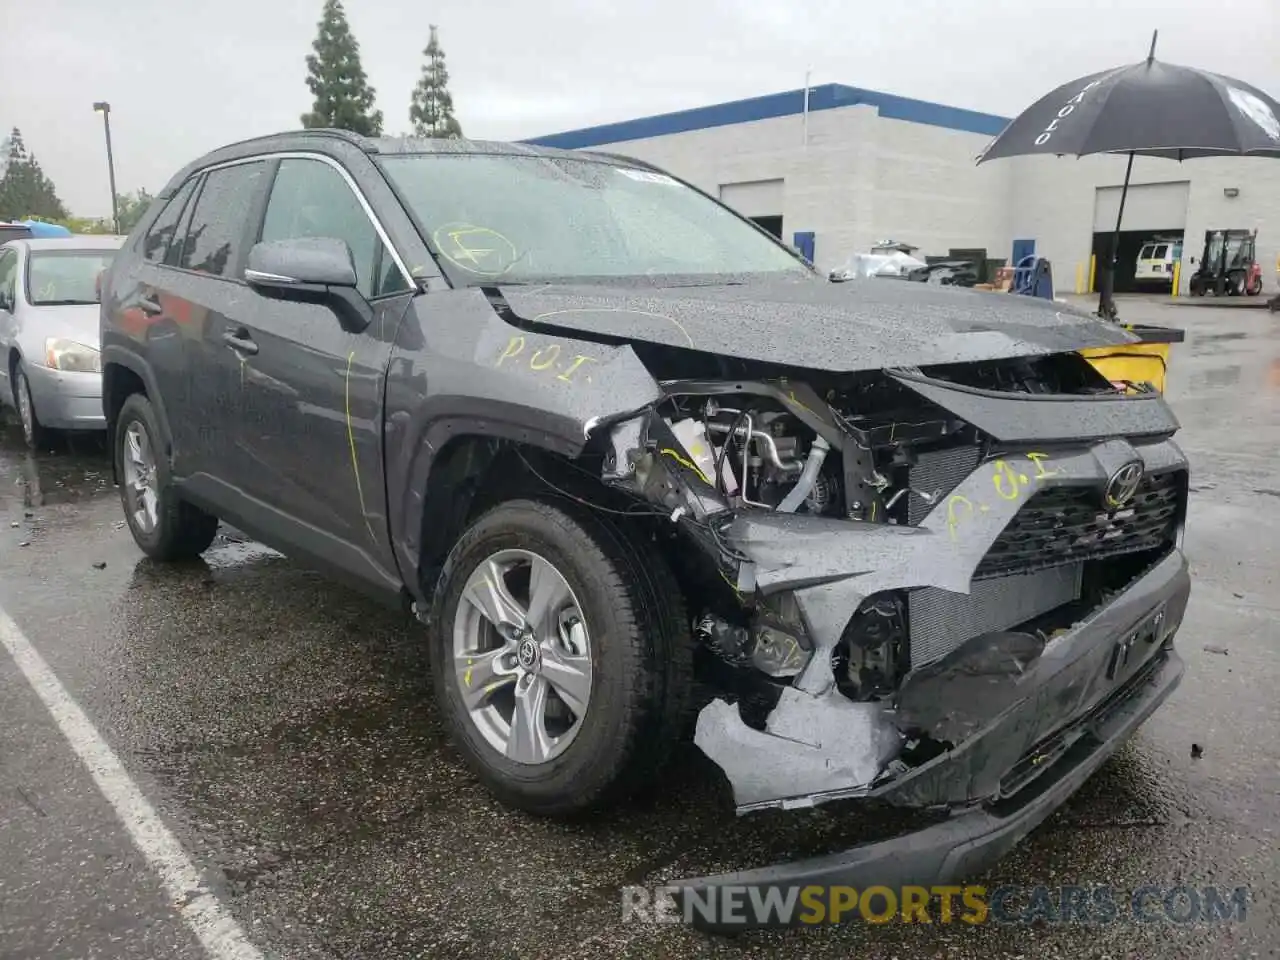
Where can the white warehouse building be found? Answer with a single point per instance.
(858, 167)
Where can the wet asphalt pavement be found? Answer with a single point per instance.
(283, 728)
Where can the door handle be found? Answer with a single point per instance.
(150, 305)
(240, 342)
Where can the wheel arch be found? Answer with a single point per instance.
(123, 375)
(478, 466)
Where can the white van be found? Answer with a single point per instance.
(1155, 262)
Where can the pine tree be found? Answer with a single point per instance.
(431, 109)
(25, 191)
(343, 97)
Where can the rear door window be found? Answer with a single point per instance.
(215, 240)
(1162, 251)
(155, 246)
(1145, 252)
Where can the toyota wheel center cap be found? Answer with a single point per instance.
(527, 653)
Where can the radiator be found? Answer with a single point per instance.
(939, 470)
(940, 620)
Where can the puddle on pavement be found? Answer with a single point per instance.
(72, 471)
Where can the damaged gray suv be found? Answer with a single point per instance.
(643, 473)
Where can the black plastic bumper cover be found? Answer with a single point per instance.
(965, 844)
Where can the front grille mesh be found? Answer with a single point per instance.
(940, 620)
(1037, 562)
(1062, 525)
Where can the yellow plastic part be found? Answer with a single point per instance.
(1131, 363)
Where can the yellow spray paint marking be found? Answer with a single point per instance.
(1038, 459)
(953, 519)
(478, 250)
(545, 360)
(552, 353)
(578, 361)
(351, 440)
(514, 348)
(1008, 481)
(685, 463)
(732, 586)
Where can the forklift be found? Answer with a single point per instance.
(1229, 265)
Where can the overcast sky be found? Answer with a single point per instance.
(184, 76)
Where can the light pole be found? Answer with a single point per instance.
(105, 109)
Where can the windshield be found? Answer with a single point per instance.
(65, 276)
(506, 218)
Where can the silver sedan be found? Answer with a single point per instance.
(50, 369)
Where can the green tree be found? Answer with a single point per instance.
(131, 207)
(343, 97)
(431, 109)
(24, 189)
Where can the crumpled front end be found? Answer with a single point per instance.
(925, 587)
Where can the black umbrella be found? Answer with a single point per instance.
(1150, 109)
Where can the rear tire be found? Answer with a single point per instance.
(164, 526)
(637, 644)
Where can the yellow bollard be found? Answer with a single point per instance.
(1079, 278)
(1177, 277)
(1093, 272)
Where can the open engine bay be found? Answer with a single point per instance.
(880, 539)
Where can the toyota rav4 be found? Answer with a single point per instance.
(615, 445)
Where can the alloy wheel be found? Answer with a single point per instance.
(522, 656)
(139, 465)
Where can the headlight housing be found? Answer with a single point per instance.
(72, 357)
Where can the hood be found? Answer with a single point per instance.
(864, 324)
(78, 322)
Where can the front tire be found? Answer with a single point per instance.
(163, 525)
(33, 432)
(561, 656)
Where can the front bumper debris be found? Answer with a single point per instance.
(1053, 725)
(965, 844)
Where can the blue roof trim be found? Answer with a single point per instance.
(828, 96)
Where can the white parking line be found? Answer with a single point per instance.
(219, 934)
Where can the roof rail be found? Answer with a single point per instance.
(364, 143)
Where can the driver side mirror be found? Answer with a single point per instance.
(6, 301)
(310, 270)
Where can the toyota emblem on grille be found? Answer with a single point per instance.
(1123, 484)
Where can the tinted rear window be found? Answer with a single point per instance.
(1145, 252)
(215, 238)
(1162, 251)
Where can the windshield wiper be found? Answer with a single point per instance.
(64, 303)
